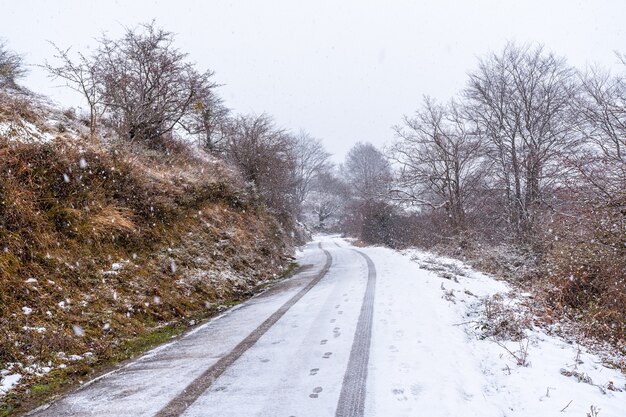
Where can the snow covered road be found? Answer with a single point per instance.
(358, 332)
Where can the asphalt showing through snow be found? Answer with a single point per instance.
(352, 397)
(179, 404)
(301, 349)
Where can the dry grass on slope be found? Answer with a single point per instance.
(104, 253)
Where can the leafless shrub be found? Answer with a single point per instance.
(207, 119)
(500, 322)
(144, 86)
(81, 75)
(146, 83)
(521, 354)
(587, 264)
(593, 411)
(264, 155)
(12, 67)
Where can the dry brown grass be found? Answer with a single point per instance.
(586, 270)
(112, 221)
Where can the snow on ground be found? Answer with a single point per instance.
(446, 341)
(8, 379)
(25, 132)
(432, 350)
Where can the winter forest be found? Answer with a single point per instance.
(521, 174)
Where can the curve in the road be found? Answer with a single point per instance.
(352, 397)
(180, 403)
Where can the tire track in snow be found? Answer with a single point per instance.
(352, 397)
(182, 401)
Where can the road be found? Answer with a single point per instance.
(299, 349)
(357, 332)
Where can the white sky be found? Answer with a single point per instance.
(345, 71)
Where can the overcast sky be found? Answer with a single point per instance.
(345, 71)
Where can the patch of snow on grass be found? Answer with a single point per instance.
(24, 132)
(117, 266)
(35, 329)
(78, 330)
(7, 382)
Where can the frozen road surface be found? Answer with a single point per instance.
(357, 332)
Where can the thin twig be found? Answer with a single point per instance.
(466, 322)
(563, 409)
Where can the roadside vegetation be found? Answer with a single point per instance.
(523, 174)
(125, 225)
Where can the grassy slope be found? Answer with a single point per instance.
(112, 252)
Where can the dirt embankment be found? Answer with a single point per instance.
(107, 250)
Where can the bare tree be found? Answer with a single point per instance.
(207, 119)
(368, 172)
(264, 155)
(80, 75)
(440, 161)
(520, 101)
(12, 67)
(327, 199)
(311, 159)
(602, 122)
(147, 84)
